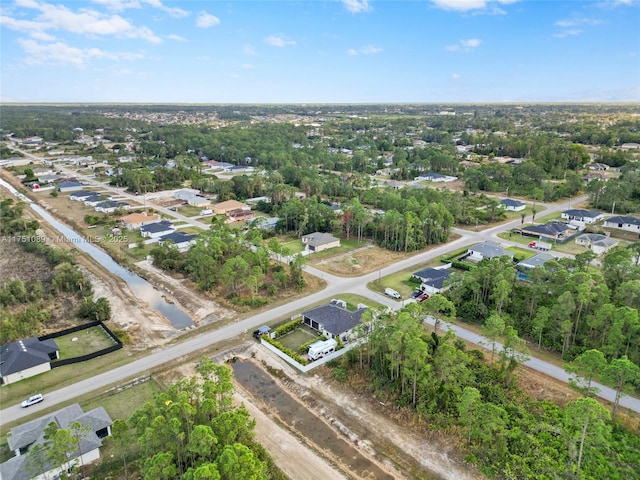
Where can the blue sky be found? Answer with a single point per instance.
(319, 51)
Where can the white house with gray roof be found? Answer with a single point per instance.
(334, 320)
(26, 358)
(624, 222)
(580, 216)
(511, 205)
(488, 250)
(24, 437)
(319, 241)
(596, 242)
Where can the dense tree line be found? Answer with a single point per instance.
(506, 433)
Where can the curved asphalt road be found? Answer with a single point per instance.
(336, 286)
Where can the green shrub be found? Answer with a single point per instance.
(340, 374)
(287, 327)
(285, 350)
(305, 346)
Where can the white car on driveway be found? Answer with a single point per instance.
(32, 400)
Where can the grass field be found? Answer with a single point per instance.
(83, 342)
(299, 336)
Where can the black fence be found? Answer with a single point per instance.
(89, 356)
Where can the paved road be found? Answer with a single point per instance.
(335, 287)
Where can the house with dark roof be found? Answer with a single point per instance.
(70, 186)
(624, 222)
(83, 195)
(110, 206)
(432, 279)
(334, 320)
(554, 231)
(95, 424)
(319, 241)
(26, 358)
(182, 241)
(512, 205)
(157, 229)
(581, 216)
(596, 242)
(538, 260)
(434, 177)
(264, 223)
(488, 250)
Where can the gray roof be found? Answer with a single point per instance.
(334, 318)
(318, 238)
(490, 249)
(433, 277)
(536, 261)
(552, 229)
(624, 219)
(110, 204)
(177, 237)
(69, 184)
(157, 227)
(509, 202)
(84, 194)
(580, 213)
(23, 436)
(597, 239)
(23, 354)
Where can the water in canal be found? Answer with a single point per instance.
(297, 416)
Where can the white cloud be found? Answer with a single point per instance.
(206, 20)
(568, 33)
(177, 38)
(467, 5)
(455, 76)
(121, 5)
(464, 45)
(279, 41)
(247, 66)
(248, 50)
(366, 50)
(84, 22)
(60, 53)
(357, 6)
(574, 22)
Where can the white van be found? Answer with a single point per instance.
(392, 293)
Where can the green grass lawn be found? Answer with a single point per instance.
(86, 341)
(299, 336)
(345, 246)
(548, 218)
(294, 246)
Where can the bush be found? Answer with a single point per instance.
(462, 265)
(340, 374)
(285, 350)
(287, 327)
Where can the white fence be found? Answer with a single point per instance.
(312, 365)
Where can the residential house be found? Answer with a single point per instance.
(554, 231)
(264, 223)
(434, 177)
(256, 200)
(157, 229)
(319, 241)
(334, 320)
(70, 186)
(223, 208)
(95, 424)
(624, 222)
(487, 250)
(239, 215)
(512, 205)
(538, 260)
(432, 279)
(395, 184)
(182, 241)
(581, 217)
(50, 178)
(111, 206)
(596, 242)
(25, 358)
(82, 195)
(134, 221)
(95, 200)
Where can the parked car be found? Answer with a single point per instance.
(416, 293)
(32, 400)
(392, 293)
(263, 330)
(422, 297)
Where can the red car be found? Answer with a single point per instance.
(422, 297)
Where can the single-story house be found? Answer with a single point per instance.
(70, 186)
(623, 222)
(111, 206)
(83, 195)
(96, 422)
(395, 184)
(554, 231)
(191, 196)
(488, 250)
(239, 215)
(432, 279)
(581, 216)
(512, 205)
(157, 229)
(95, 200)
(134, 221)
(25, 358)
(537, 260)
(264, 223)
(434, 177)
(223, 208)
(333, 320)
(182, 241)
(49, 178)
(319, 241)
(596, 242)
(256, 200)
